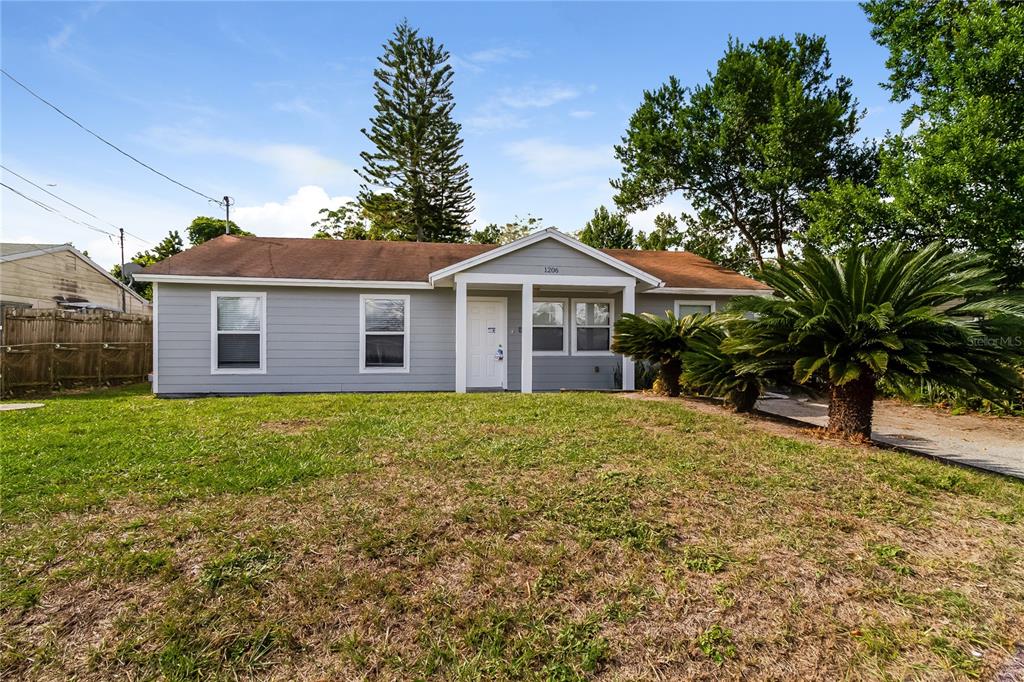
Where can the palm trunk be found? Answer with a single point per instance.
(744, 400)
(670, 371)
(850, 407)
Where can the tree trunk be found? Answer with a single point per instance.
(745, 399)
(670, 371)
(850, 407)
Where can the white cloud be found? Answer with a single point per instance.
(297, 105)
(498, 55)
(476, 61)
(296, 163)
(536, 96)
(290, 218)
(554, 159)
(581, 114)
(504, 110)
(60, 39)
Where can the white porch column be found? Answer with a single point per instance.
(526, 363)
(628, 306)
(460, 335)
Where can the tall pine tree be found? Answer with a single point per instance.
(415, 178)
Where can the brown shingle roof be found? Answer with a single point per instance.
(269, 257)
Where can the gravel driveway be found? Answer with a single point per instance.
(993, 443)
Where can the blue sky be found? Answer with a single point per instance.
(265, 101)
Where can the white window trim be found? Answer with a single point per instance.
(678, 302)
(565, 325)
(214, 333)
(404, 369)
(611, 325)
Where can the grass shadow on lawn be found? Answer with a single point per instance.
(487, 535)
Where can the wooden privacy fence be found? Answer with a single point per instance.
(44, 349)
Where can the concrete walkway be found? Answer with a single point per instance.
(18, 406)
(992, 443)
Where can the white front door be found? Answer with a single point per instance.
(486, 320)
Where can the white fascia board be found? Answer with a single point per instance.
(553, 281)
(709, 291)
(549, 233)
(35, 252)
(284, 282)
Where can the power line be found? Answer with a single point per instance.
(75, 206)
(51, 209)
(107, 142)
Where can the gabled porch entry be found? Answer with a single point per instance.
(476, 346)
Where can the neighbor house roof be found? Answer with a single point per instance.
(350, 260)
(12, 252)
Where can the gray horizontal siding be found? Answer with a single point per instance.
(312, 342)
(532, 260)
(657, 304)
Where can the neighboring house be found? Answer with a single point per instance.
(258, 314)
(60, 276)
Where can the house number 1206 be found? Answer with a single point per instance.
(550, 269)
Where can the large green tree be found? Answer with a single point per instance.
(664, 236)
(509, 232)
(956, 172)
(350, 221)
(414, 178)
(168, 246)
(769, 127)
(607, 230)
(205, 228)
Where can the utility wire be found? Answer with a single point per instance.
(110, 144)
(58, 198)
(51, 209)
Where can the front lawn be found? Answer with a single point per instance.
(487, 536)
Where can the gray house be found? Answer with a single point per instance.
(267, 314)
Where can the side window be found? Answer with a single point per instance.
(549, 322)
(238, 325)
(384, 333)
(684, 308)
(592, 326)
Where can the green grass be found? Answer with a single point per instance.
(487, 536)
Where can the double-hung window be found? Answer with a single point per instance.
(383, 333)
(549, 326)
(238, 328)
(684, 308)
(592, 326)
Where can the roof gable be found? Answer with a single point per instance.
(542, 235)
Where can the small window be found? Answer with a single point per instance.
(592, 326)
(384, 333)
(549, 327)
(239, 339)
(684, 308)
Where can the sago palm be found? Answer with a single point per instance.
(886, 313)
(711, 364)
(658, 340)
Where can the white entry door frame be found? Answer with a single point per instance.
(486, 334)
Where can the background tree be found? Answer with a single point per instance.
(888, 314)
(349, 221)
(509, 232)
(770, 127)
(205, 228)
(664, 236)
(957, 171)
(168, 246)
(415, 181)
(704, 236)
(607, 230)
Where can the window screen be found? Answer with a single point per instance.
(549, 326)
(239, 332)
(384, 326)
